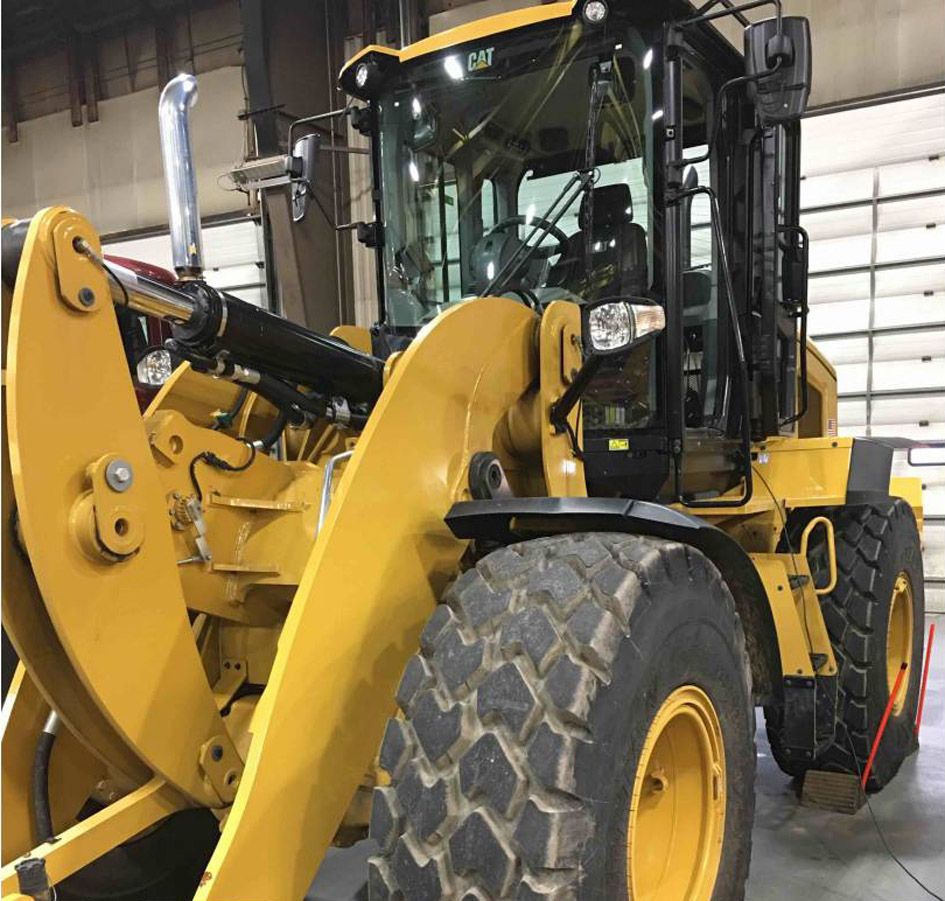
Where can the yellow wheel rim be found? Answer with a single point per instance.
(899, 638)
(677, 809)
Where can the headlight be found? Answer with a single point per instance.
(616, 325)
(362, 74)
(155, 368)
(610, 326)
(595, 11)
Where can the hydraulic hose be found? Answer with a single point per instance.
(39, 778)
(267, 441)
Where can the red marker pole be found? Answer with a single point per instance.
(925, 677)
(882, 724)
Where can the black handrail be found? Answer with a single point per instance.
(740, 353)
(801, 313)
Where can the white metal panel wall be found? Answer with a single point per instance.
(234, 257)
(873, 197)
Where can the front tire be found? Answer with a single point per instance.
(577, 724)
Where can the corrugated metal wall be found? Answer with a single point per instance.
(111, 170)
(874, 203)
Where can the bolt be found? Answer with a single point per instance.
(86, 297)
(119, 475)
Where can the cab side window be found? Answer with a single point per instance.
(705, 398)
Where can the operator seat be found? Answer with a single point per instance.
(618, 249)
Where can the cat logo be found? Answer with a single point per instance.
(480, 59)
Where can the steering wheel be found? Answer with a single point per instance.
(542, 253)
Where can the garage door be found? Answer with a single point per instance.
(234, 256)
(873, 197)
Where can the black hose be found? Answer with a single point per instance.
(267, 441)
(225, 420)
(283, 396)
(39, 779)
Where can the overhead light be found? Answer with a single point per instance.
(453, 68)
(657, 114)
(365, 77)
(490, 270)
(648, 58)
(414, 171)
(595, 12)
(415, 106)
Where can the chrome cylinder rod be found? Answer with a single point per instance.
(149, 297)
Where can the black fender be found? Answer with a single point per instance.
(870, 469)
(507, 520)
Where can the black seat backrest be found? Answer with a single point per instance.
(618, 248)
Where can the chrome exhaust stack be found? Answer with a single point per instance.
(180, 175)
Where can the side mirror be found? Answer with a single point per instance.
(614, 326)
(302, 165)
(782, 95)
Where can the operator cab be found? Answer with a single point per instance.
(480, 168)
(534, 164)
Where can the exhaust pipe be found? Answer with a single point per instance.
(180, 176)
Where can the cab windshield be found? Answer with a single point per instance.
(478, 144)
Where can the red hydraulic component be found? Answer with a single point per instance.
(925, 677)
(882, 724)
(139, 267)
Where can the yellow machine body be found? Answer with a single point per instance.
(324, 617)
(141, 641)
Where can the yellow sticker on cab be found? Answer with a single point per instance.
(618, 444)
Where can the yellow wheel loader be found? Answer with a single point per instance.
(521, 560)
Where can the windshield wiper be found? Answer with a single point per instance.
(576, 186)
(579, 183)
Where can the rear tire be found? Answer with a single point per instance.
(877, 546)
(526, 714)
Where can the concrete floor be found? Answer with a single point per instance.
(802, 853)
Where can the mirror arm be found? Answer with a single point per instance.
(562, 407)
(333, 114)
(717, 125)
(742, 19)
(732, 11)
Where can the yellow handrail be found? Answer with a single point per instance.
(831, 550)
